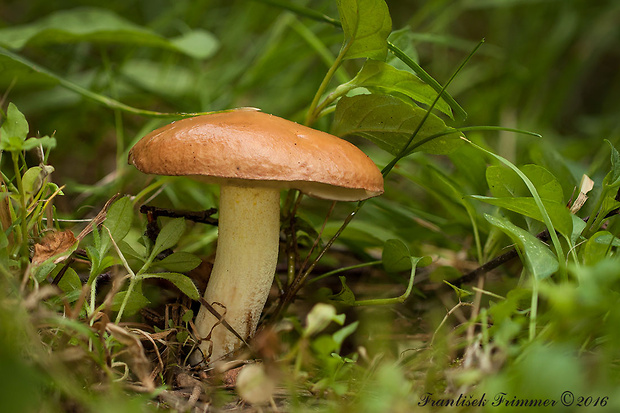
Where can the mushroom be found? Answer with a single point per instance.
(252, 156)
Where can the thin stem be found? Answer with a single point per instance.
(594, 221)
(534, 309)
(104, 100)
(22, 202)
(406, 148)
(344, 269)
(312, 114)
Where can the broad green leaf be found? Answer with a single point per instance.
(381, 77)
(559, 213)
(45, 141)
(539, 260)
(118, 221)
(169, 235)
(70, 281)
(174, 80)
(344, 332)
(345, 295)
(389, 123)
(42, 270)
(179, 262)
(181, 281)
(101, 26)
(546, 155)
(396, 256)
(198, 43)
(136, 301)
(187, 316)
(606, 238)
(71, 284)
(504, 182)
(538, 200)
(14, 129)
(598, 247)
(32, 179)
(366, 25)
(578, 226)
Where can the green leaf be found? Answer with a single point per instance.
(345, 295)
(389, 123)
(578, 226)
(45, 141)
(71, 284)
(613, 177)
(187, 316)
(118, 221)
(101, 26)
(539, 260)
(169, 235)
(179, 262)
(344, 332)
(598, 247)
(14, 130)
(170, 80)
(198, 43)
(181, 281)
(32, 179)
(460, 292)
(135, 303)
(366, 25)
(527, 206)
(380, 77)
(504, 182)
(396, 256)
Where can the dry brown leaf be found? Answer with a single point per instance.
(54, 243)
(585, 186)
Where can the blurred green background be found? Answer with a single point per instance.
(545, 66)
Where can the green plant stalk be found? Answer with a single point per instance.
(324, 53)
(474, 225)
(534, 308)
(118, 120)
(104, 100)
(395, 300)
(22, 201)
(597, 216)
(429, 80)
(312, 114)
(133, 277)
(343, 269)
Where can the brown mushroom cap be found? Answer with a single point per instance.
(252, 148)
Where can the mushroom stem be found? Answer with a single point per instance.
(244, 267)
